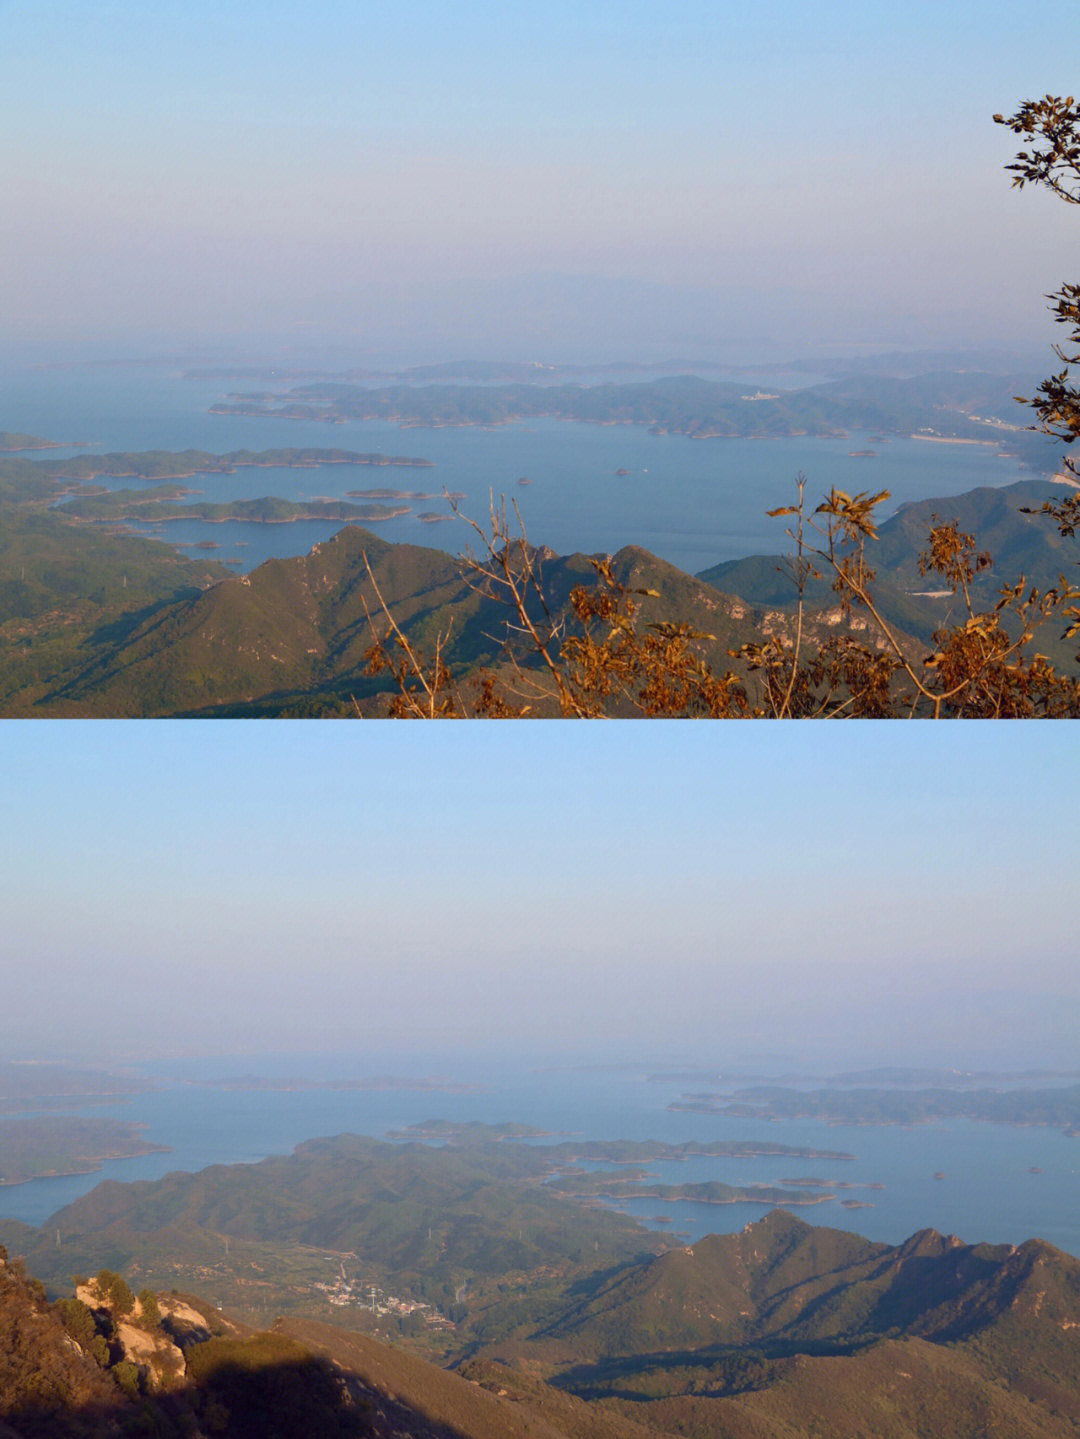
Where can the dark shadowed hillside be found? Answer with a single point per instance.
(782, 1330)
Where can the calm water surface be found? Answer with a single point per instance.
(693, 502)
(987, 1193)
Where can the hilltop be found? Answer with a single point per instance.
(783, 1325)
(107, 1363)
(292, 636)
(96, 621)
(780, 1331)
(1020, 544)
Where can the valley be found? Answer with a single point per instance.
(739, 1336)
(99, 617)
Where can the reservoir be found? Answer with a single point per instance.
(591, 488)
(987, 1191)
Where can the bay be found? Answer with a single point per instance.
(987, 1191)
(692, 502)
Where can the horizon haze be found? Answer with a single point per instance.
(847, 896)
(427, 182)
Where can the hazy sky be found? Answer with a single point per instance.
(443, 178)
(848, 892)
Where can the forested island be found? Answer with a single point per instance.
(615, 1186)
(888, 1076)
(961, 406)
(182, 464)
(613, 1151)
(167, 502)
(1056, 1107)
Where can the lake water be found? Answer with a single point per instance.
(693, 502)
(987, 1194)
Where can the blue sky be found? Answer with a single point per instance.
(609, 889)
(439, 177)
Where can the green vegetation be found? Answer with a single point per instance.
(615, 1151)
(34, 480)
(634, 1186)
(78, 1320)
(421, 1222)
(1020, 542)
(11, 440)
(180, 464)
(1056, 1107)
(70, 593)
(684, 1340)
(114, 1292)
(48, 1145)
(942, 406)
(742, 1335)
(294, 636)
(163, 503)
(491, 1219)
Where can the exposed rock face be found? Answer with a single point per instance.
(182, 1320)
(150, 1346)
(155, 1355)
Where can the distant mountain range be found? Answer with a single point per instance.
(685, 405)
(1058, 1107)
(955, 405)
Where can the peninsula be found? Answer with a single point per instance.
(12, 441)
(48, 1146)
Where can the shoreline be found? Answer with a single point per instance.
(94, 1168)
(246, 519)
(231, 469)
(954, 440)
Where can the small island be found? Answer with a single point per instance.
(182, 464)
(165, 503)
(645, 1151)
(1058, 1107)
(616, 1186)
(391, 495)
(830, 1184)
